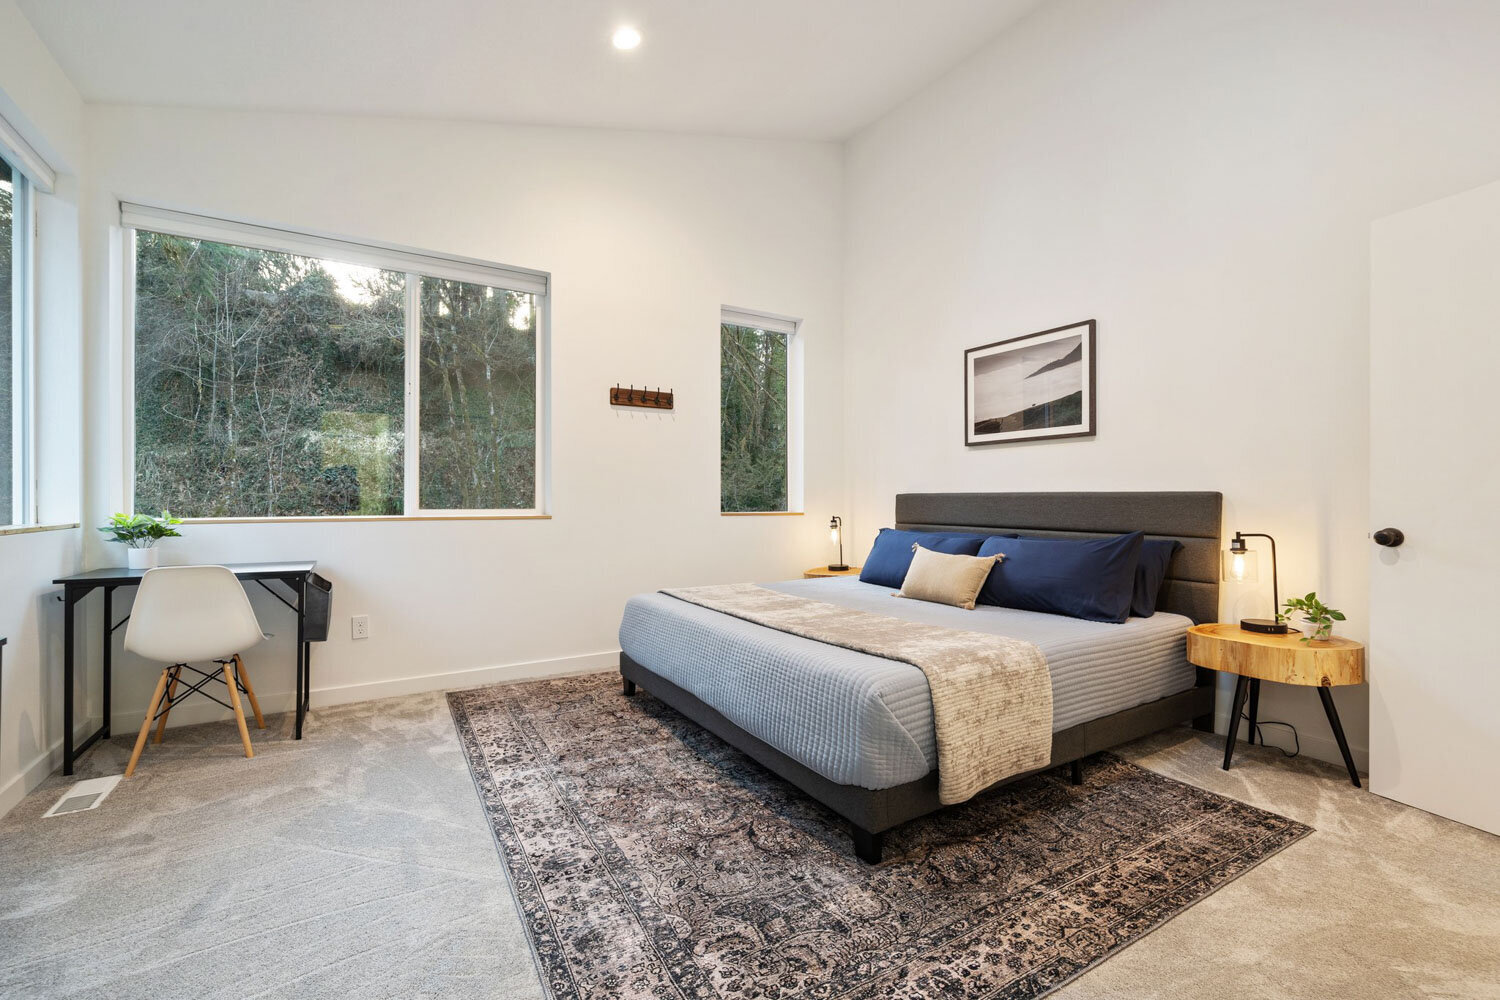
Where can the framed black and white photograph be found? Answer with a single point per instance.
(1032, 387)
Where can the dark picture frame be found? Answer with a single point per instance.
(1037, 387)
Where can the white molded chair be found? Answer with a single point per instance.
(184, 613)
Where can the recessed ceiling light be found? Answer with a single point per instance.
(626, 38)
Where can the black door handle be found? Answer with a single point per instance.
(1389, 537)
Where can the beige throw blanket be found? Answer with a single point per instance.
(991, 695)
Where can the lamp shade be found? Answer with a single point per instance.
(1241, 566)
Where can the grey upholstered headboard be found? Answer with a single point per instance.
(1194, 519)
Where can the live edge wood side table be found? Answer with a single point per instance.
(1283, 658)
(818, 571)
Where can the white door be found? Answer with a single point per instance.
(1434, 663)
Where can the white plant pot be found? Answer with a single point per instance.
(141, 558)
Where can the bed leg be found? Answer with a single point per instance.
(868, 846)
(627, 686)
(1076, 769)
(1206, 679)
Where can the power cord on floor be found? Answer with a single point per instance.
(1261, 738)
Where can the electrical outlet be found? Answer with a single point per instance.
(359, 627)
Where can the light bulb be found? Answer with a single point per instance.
(833, 535)
(1237, 568)
(626, 38)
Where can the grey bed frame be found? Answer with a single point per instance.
(1191, 589)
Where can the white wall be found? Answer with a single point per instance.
(645, 237)
(1200, 178)
(37, 99)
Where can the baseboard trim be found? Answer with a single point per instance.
(199, 710)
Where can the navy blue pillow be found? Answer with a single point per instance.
(1093, 578)
(891, 556)
(1156, 553)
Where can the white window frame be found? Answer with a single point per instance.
(24, 184)
(416, 264)
(792, 327)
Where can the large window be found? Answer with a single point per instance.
(15, 287)
(281, 375)
(755, 397)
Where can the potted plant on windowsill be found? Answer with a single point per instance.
(1315, 618)
(139, 533)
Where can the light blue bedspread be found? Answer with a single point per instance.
(863, 720)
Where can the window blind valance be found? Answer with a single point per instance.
(381, 255)
(758, 320)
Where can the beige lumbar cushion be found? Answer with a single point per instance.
(946, 579)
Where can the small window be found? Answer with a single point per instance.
(478, 397)
(755, 408)
(15, 302)
(271, 383)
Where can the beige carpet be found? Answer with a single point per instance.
(359, 863)
(354, 863)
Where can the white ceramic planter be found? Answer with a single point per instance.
(141, 558)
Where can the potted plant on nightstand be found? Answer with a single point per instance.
(1315, 617)
(139, 533)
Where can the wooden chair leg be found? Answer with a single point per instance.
(239, 713)
(140, 741)
(161, 726)
(239, 671)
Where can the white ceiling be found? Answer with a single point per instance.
(817, 69)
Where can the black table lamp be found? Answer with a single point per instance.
(836, 535)
(1240, 566)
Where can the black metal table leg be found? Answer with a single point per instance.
(306, 679)
(70, 602)
(1254, 707)
(304, 664)
(1338, 733)
(109, 646)
(1241, 687)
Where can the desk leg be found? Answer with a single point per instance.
(304, 667)
(1241, 687)
(1338, 733)
(306, 678)
(70, 600)
(109, 647)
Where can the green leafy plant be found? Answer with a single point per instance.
(141, 531)
(1319, 616)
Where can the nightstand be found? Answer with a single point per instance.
(818, 571)
(1282, 658)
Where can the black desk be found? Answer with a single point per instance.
(75, 588)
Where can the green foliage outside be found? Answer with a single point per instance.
(478, 397)
(272, 385)
(753, 400)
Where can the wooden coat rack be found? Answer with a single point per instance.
(652, 399)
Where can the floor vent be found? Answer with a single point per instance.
(84, 795)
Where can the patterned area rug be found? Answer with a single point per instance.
(652, 860)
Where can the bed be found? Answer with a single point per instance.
(855, 731)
